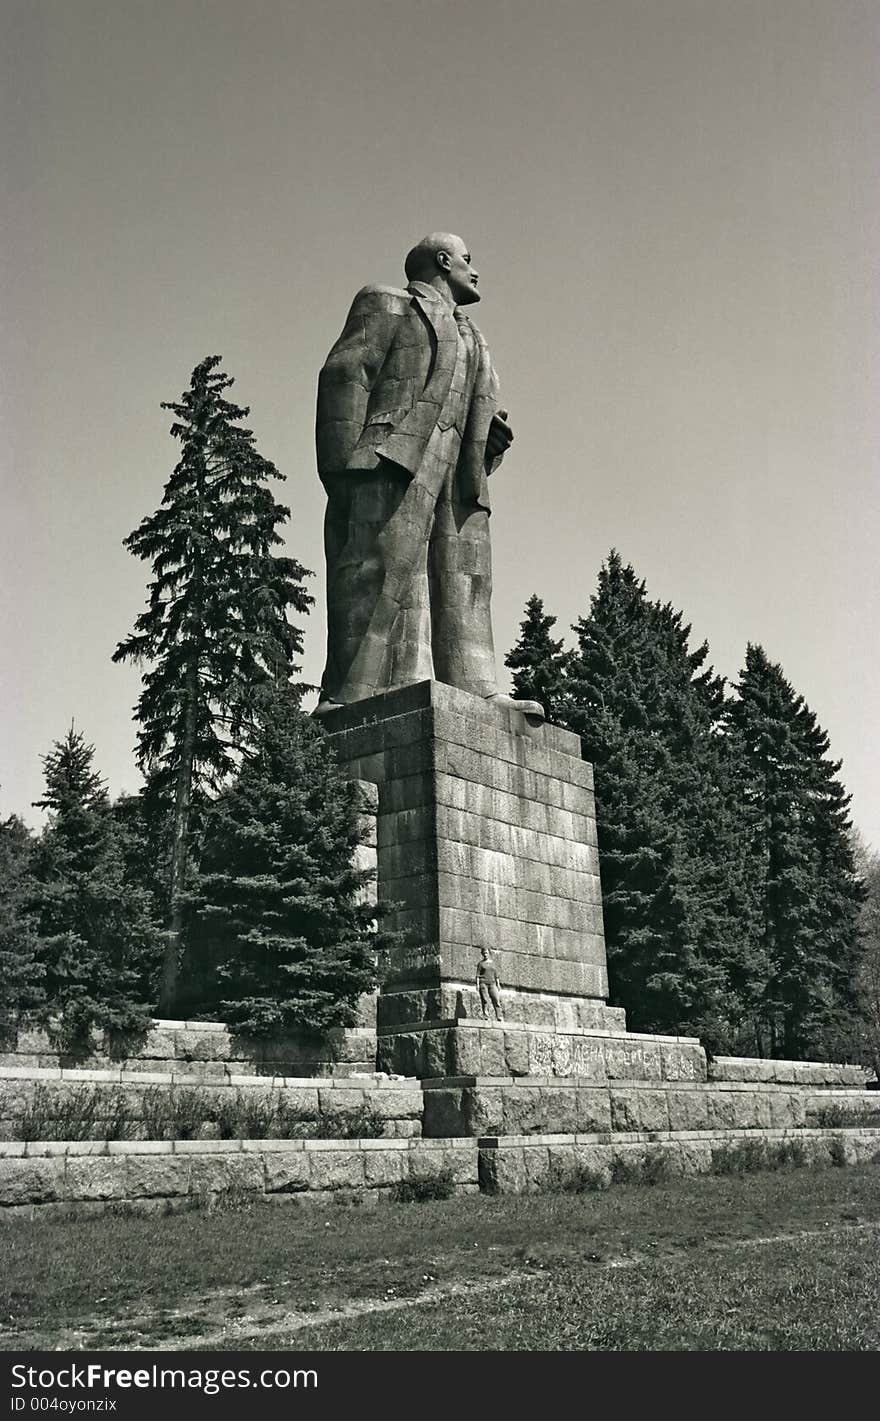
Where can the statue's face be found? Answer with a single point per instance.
(460, 273)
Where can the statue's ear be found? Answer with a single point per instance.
(443, 259)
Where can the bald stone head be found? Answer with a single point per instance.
(443, 261)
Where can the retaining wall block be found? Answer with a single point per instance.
(483, 1110)
(638, 1109)
(233, 1173)
(287, 1173)
(444, 1113)
(593, 1111)
(31, 1181)
(337, 1169)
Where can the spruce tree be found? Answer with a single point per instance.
(99, 943)
(677, 895)
(21, 972)
(868, 969)
(538, 661)
(810, 892)
(279, 903)
(215, 628)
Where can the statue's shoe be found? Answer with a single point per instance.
(527, 707)
(325, 707)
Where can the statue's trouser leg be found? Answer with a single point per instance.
(460, 581)
(376, 534)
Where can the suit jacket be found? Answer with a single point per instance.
(384, 383)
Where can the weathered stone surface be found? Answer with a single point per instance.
(524, 1111)
(638, 1109)
(681, 1062)
(403, 1129)
(688, 1109)
(466, 1052)
(483, 1111)
(566, 1055)
(444, 1114)
(26, 1181)
(398, 1103)
(492, 1056)
(384, 1167)
(632, 1060)
(93, 1177)
(286, 1173)
(801, 1073)
(203, 1045)
(164, 1175)
(593, 1111)
(502, 1171)
(560, 1111)
(459, 1161)
(337, 1169)
(462, 885)
(787, 1110)
(516, 1053)
(303, 1100)
(732, 1109)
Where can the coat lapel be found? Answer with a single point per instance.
(439, 316)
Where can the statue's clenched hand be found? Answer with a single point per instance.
(500, 436)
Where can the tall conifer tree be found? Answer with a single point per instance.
(215, 629)
(21, 972)
(810, 892)
(677, 895)
(538, 661)
(280, 903)
(100, 945)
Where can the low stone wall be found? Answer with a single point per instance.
(543, 1163)
(397, 1105)
(467, 1047)
(799, 1073)
(453, 1003)
(48, 1179)
(539, 1105)
(208, 1049)
(41, 1179)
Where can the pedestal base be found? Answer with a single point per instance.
(486, 837)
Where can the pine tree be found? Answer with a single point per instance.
(215, 629)
(677, 896)
(278, 899)
(809, 889)
(21, 973)
(538, 661)
(99, 942)
(868, 968)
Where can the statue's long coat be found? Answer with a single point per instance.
(384, 383)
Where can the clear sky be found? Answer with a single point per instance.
(672, 204)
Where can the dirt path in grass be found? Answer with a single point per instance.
(249, 1317)
(204, 1322)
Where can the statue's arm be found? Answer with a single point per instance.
(350, 372)
(499, 436)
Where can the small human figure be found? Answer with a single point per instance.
(489, 984)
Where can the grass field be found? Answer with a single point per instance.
(784, 1261)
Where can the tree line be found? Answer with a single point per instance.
(732, 897)
(226, 886)
(734, 906)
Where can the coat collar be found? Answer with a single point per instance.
(438, 310)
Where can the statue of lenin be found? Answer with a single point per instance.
(408, 431)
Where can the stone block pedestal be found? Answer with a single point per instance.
(486, 836)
